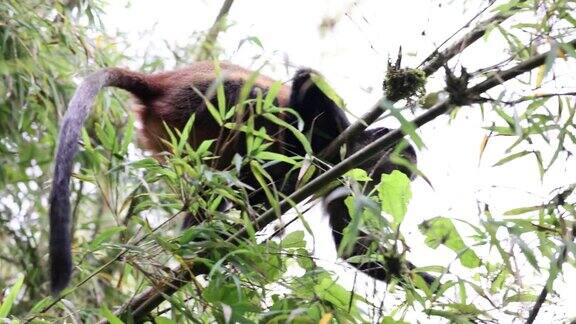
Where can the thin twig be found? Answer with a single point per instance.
(502, 76)
(544, 292)
(431, 64)
(466, 25)
(438, 59)
(536, 96)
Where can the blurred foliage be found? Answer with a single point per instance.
(42, 46)
(128, 206)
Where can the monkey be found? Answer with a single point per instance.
(170, 99)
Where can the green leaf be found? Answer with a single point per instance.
(112, 319)
(528, 253)
(350, 234)
(520, 298)
(511, 157)
(271, 156)
(11, 296)
(462, 292)
(358, 175)
(468, 309)
(105, 236)
(508, 119)
(162, 320)
(507, 7)
(185, 134)
(394, 193)
(568, 49)
(106, 137)
(173, 140)
(306, 173)
(304, 260)
(146, 163)
(293, 240)
(220, 94)
(128, 135)
(261, 175)
(501, 130)
(250, 39)
(540, 164)
(272, 93)
(260, 133)
(391, 320)
(86, 140)
(204, 146)
(301, 138)
(523, 210)
(441, 230)
(321, 83)
(211, 109)
(332, 292)
(407, 126)
(549, 62)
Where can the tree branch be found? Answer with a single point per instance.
(437, 59)
(533, 97)
(500, 77)
(431, 64)
(353, 130)
(466, 25)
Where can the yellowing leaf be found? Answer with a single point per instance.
(326, 318)
(483, 145)
(562, 54)
(540, 75)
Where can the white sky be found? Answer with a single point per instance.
(353, 58)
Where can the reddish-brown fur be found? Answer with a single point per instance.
(169, 97)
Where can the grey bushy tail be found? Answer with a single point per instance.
(60, 235)
(60, 220)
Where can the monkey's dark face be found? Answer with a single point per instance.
(381, 163)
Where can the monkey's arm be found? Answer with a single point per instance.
(391, 266)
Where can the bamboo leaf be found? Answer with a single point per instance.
(511, 157)
(321, 83)
(523, 210)
(441, 230)
(112, 319)
(10, 298)
(407, 127)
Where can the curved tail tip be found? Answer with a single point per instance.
(58, 284)
(59, 278)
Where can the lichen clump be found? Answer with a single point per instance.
(404, 83)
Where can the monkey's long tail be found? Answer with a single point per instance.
(78, 109)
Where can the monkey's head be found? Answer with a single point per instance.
(399, 157)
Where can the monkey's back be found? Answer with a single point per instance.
(180, 93)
